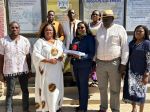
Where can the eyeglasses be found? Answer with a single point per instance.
(14, 27)
(95, 14)
(81, 27)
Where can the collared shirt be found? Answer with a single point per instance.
(14, 52)
(112, 43)
(70, 30)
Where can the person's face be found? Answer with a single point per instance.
(95, 16)
(50, 16)
(48, 32)
(71, 14)
(107, 21)
(15, 29)
(81, 29)
(139, 33)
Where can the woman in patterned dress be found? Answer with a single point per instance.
(138, 69)
(47, 59)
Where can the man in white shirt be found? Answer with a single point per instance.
(14, 52)
(112, 56)
(70, 32)
(70, 27)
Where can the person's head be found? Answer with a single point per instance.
(14, 28)
(50, 16)
(48, 32)
(95, 16)
(82, 29)
(71, 14)
(107, 18)
(141, 33)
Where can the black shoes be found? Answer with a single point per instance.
(77, 109)
(59, 110)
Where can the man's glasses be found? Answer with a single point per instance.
(81, 27)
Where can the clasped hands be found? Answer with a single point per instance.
(53, 60)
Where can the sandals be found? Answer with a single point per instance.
(93, 84)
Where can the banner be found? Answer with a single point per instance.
(2, 18)
(27, 13)
(61, 8)
(116, 5)
(138, 13)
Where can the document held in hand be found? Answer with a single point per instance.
(74, 52)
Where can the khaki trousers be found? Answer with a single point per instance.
(107, 73)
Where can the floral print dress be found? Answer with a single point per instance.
(138, 64)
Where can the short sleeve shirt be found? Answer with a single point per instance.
(14, 52)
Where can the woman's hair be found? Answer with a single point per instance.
(94, 12)
(88, 31)
(146, 33)
(42, 33)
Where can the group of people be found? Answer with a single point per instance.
(101, 41)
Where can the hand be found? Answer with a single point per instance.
(30, 74)
(122, 68)
(76, 56)
(123, 75)
(2, 78)
(52, 61)
(145, 78)
(60, 58)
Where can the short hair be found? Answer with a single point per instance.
(146, 33)
(50, 11)
(42, 33)
(13, 22)
(96, 11)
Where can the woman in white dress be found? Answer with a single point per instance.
(47, 59)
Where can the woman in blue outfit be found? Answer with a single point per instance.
(138, 69)
(83, 42)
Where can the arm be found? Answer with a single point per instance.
(124, 51)
(1, 68)
(37, 56)
(124, 46)
(91, 48)
(1, 61)
(147, 71)
(61, 32)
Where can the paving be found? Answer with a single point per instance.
(71, 100)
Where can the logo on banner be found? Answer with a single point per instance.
(63, 5)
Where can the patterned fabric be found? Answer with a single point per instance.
(49, 87)
(139, 63)
(14, 52)
(136, 88)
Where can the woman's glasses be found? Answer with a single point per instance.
(95, 14)
(81, 27)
